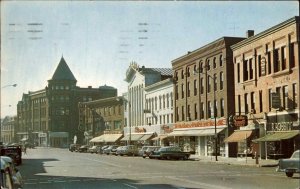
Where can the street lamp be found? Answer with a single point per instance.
(215, 116)
(129, 116)
(5, 86)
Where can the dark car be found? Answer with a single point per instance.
(83, 148)
(170, 152)
(14, 152)
(74, 147)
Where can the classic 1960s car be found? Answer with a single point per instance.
(170, 152)
(291, 165)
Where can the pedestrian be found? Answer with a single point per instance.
(24, 150)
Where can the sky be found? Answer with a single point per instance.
(99, 39)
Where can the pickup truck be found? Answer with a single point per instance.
(291, 165)
(170, 152)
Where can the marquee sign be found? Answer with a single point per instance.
(195, 124)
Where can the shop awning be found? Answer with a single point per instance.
(146, 137)
(160, 137)
(107, 138)
(277, 136)
(58, 134)
(196, 132)
(134, 137)
(239, 136)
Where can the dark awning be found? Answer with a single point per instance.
(239, 136)
(277, 136)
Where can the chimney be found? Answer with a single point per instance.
(249, 33)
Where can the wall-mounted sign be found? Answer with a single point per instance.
(240, 120)
(263, 66)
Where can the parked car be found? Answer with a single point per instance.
(94, 149)
(6, 180)
(101, 150)
(74, 147)
(150, 150)
(170, 152)
(119, 150)
(113, 151)
(291, 165)
(15, 152)
(142, 150)
(130, 150)
(15, 173)
(108, 149)
(83, 148)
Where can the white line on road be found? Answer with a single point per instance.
(130, 185)
(44, 182)
(201, 184)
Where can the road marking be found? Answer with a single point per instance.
(130, 185)
(111, 164)
(44, 182)
(59, 181)
(204, 185)
(74, 180)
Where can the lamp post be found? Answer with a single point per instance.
(129, 117)
(215, 116)
(5, 86)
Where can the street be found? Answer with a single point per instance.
(59, 168)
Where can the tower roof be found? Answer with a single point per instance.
(63, 71)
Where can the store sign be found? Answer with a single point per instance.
(195, 124)
(283, 126)
(240, 121)
(42, 135)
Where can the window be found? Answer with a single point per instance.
(269, 63)
(201, 110)
(209, 109)
(171, 101)
(208, 84)
(260, 101)
(259, 65)
(252, 100)
(168, 101)
(285, 96)
(214, 63)
(188, 113)
(177, 113)
(182, 113)
(215, 82)
(221, 80)
(292, 56)
(270, 99)
(182, 90)
(251, 69)
(221, 61)
(238, 72)
(283, 58)
(188, 89)
(201, 85)
(195, 87)
(215, 113)
(245, 70)
(195, 111)
(188, 72)
(246, 103)
(207, 64)
(276, 61)
(295, 96)
(164, 102)
(182, 74)
(222, 107)
(160, 102)
(155, 103)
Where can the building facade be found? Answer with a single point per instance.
(143, 119)
(102, 120)
(203, 98)
(266, 69)
(8, 129)
(50, 116)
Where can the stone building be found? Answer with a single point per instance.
(203, 79)
(8, 129)
(50, 116)
(267, 77)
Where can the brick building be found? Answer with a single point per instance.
(50, 116)
(266, 69)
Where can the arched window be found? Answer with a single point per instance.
(221, 80)
(214, 63)
(221, 60)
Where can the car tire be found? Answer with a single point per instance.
(289, 174)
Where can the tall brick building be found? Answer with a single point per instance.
(50, 116)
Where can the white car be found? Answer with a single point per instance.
(15, 173)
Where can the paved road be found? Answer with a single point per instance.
(45, 168)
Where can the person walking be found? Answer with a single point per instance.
(24, 150)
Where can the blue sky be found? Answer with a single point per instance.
(99, 39)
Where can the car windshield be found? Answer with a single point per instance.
(200, 93)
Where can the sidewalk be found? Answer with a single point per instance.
(236, 161)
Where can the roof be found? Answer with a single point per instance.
(63, 71)
(162, 71)
(106, 87)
